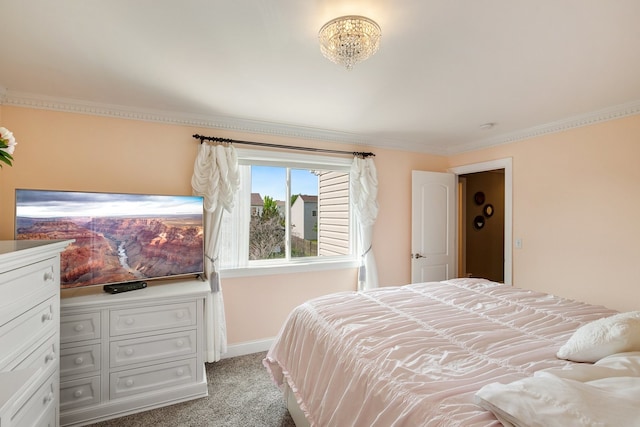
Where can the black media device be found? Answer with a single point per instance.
(118, 288)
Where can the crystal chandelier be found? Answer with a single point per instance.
(349, 39)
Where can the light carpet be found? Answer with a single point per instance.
(241, 394)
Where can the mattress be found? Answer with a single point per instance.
(416, 355)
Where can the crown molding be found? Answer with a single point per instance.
(42, 102)
(610, 113)
(27, 100)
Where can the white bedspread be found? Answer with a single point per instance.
(416, 355)
(605, 394)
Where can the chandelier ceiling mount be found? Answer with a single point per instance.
(348, 40)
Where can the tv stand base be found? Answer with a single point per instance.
(130, 352)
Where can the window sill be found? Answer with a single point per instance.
(302, 267)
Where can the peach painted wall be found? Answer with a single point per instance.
(68, 151)
(576, 206)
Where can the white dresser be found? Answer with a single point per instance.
(29, 332)
(130, 352)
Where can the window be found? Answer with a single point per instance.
(292, 210)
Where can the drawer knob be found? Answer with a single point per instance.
(78, 328)
(49, 357)
(128, 382)
(48, 275)
(129, 321)
(79, 361)
(47, 316)
(180, 314)
(180, 372)
(180, 343)
(48, 398)
(128, 351)
(77, 393)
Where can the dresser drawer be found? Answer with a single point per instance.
(152, 378)
(79, 327)
(19, 286)
(19, 334)
(77, 393)
(35, 406)
(79, 360)
(48, 419)
(42, 359)
(153, 318)
(140, 350)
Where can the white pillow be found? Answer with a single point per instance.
(603, 337)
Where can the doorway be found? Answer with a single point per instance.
(464, 226)
(434, 250)
(481, 225)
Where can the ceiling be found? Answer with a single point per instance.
(444, 68)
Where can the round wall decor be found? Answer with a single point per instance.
(478, 198)
(478, 222)
(488, 210)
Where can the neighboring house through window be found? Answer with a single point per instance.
(304, 223)
(256, 204)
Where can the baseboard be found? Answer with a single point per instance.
(248, 347)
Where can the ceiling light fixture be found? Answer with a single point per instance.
(349, 40)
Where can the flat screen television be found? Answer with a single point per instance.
(119, 238)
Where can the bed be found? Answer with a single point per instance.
(452, 353)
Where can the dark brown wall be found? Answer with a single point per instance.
(485, 247)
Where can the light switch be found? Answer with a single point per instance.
(518, 243)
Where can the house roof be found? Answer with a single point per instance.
(256, 199)
(443, 69)
(308, 199)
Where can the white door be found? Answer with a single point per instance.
(433, 226)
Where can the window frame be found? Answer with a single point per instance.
(303, 264)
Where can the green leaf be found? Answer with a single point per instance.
(5, 157)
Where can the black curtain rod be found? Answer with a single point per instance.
(284, 147)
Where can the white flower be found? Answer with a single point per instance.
(6, 137)
(7, 146)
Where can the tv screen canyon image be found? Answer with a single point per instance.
(119, 238)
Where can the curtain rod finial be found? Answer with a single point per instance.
(363, 154)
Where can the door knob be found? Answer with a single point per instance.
(416, 256)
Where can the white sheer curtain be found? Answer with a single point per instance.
(215, 177)
(364, 192)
